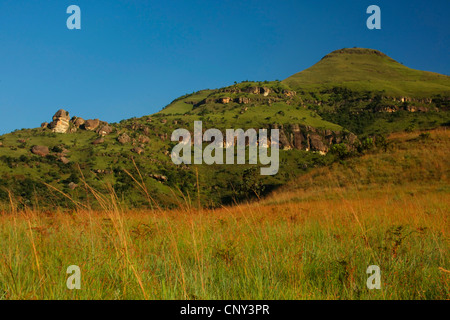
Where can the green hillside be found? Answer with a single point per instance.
(360, 69)
(257, 111)
(341, 107)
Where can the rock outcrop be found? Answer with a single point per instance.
(105, 130)
(224, 100)
(63, 124)
(301, 137)
(60, 123)
(40, 151)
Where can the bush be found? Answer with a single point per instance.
(340, 150)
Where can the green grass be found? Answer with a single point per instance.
(369, 70)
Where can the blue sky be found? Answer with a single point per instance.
(131, 58)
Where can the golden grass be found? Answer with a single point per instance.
(312, 240)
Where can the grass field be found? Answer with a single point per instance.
(314, 239)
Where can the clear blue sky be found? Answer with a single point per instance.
(131, 58)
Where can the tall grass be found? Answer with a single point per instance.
(313, 240)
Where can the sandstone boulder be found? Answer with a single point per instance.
(225, 100)
(40, 151)
(77, 122)
(124, 138)
(105, 130)
(60, 123)
(91, 124)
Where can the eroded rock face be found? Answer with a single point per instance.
(40, 151)
(258, 90)
(283, 140)
(243, 100)
(264, 91)
(225, 100)
(316, 143)
(253, 90)
(308, 138)
(297, 137)
(91, 124)
(60, 123)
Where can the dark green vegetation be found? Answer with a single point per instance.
(360, 91)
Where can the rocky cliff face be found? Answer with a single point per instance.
(300, 137)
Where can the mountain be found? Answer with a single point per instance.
(341, 107)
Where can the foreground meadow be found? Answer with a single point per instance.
(312, 240)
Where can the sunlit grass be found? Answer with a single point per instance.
(312, 240)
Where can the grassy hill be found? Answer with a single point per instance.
(360, 69)
(258, 111)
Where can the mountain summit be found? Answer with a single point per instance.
(361, 69)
